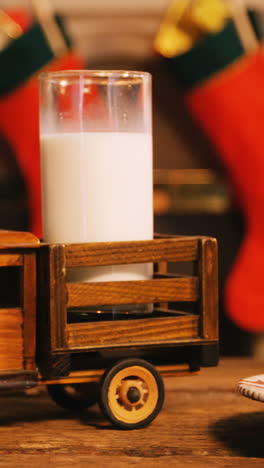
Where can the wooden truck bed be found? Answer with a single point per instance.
(168, 325)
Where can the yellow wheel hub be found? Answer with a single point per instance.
(133, 394)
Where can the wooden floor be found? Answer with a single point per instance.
(204, 423)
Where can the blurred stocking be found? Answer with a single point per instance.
(231, 110)
(223, 76)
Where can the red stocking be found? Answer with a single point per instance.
(230, 108)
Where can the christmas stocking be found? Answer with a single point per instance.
(230, 109)
(224, 93)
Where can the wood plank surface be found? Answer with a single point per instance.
(204, 423)
(29, 309)
(208, 274)
(11, 339)
(135, 332)
(57, 296)
(108, 253)
(132, 292)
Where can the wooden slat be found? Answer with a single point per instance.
(57, 297)
(162, 269)
(43, 306)
(132, 292)
(136, 332)
(11, 260)
(117, 253)
(11, 340)
(208, 273)
(29, 308)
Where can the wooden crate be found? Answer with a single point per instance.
(163, 327)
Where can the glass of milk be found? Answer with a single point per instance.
(96, 163)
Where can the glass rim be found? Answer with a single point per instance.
(90, 74)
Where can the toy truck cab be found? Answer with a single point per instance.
(62, 334)
(18, 260)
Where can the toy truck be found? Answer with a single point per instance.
(62, 335)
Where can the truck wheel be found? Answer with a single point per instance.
(74, 397)
(132, 394)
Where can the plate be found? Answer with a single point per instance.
(252, 387)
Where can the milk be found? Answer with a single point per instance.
(97, 187)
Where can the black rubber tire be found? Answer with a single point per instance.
(105, 384)
(86, 395)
